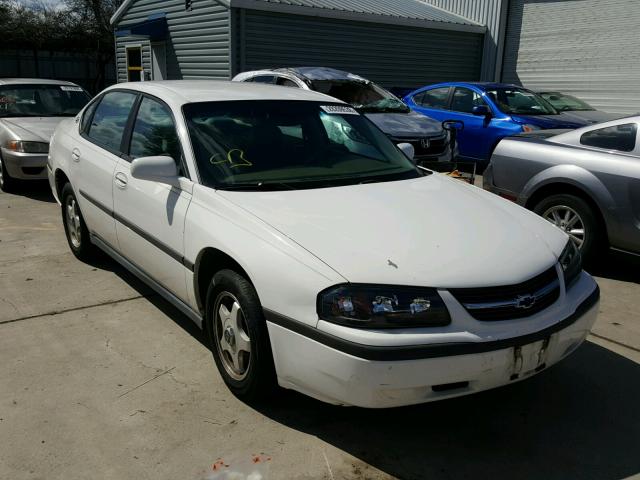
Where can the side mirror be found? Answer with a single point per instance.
(161, 169)
(482, 110)
(408, 150)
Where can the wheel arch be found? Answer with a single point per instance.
(60, 179)
(209, 261)
(560, 187)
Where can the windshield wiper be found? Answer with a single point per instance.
(257, 186)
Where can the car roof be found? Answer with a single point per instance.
(480, 85)
(191, 91)
(321, 73)
(34, 81)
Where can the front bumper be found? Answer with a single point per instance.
(25, 166)
(344, 373)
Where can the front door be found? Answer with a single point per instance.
(474, 141)
(150, 215)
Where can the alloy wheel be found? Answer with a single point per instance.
(73, 221)
(231, 336)
(567, 219)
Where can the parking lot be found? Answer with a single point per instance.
(101, 378)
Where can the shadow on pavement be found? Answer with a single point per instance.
(580, 419)
(36, 190)
(618, 266)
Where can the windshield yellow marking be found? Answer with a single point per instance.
(236, 160)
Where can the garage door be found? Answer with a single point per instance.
(394, 56)
(588, 48)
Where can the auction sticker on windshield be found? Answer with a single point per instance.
(68, 88)
(339, 109)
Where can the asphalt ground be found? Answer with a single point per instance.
(101, 378)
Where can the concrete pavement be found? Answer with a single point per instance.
(100, 378)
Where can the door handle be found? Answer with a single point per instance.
(121, 180)
(75, 155)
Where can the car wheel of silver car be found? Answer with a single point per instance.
(74, 226)
(7, 182)
(238, 337)
(576, 218)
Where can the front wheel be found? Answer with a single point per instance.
(237, 333)
(575, 217)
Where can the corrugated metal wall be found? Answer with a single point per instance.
(392, 55)
(491, 13)
(198, 43)
(588, 48)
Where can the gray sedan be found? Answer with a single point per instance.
(30, 110)
(585, 181)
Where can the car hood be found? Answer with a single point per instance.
(590, 116)
(430, 231)
(406, 125)
(551, 121)
(38, 129)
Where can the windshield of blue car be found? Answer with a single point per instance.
(566, 103)
(41, 100)
(519, 101)
(362, 95)
(288, 145)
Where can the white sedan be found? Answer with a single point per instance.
(311, 249)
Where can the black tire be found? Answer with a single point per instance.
(258, 381)
(594, 232)
(8, 184)
(78, 238)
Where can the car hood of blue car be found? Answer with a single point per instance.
(550, 121)
(406, 125)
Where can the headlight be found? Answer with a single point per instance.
(571, 262)
(27, 147)
(529, 128)
(382, 306)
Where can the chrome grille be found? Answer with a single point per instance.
(427, 146)
(511, 301)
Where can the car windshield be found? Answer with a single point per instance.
(364, 96)
(566, 103)
(41, 100)
(286, 145)
(520, 101)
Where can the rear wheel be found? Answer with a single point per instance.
(237, 332)
(74, 226)
(577, 219)
(7, 182)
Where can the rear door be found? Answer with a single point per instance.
(150, 215)
(94, 156)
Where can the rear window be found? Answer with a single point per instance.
(618, 137)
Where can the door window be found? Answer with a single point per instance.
(263, 79)
(465, 99)
(134, 64)
(110, 119)
(436, 98)
(285, 82)
(154, 132)
(618, 137)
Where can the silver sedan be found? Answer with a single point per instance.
(585, 181)
(30, 110)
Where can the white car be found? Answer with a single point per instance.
(311, 250)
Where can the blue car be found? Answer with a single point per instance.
(489, 112)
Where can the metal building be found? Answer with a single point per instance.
(588, 48)
(397, 43)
